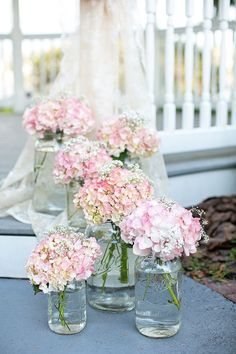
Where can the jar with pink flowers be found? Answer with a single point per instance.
(161, 231)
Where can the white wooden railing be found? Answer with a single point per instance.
(192, 83)
(183, 127)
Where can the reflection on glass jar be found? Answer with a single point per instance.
(48, 197)
(157, 296)
(67, 309)
(111, 288)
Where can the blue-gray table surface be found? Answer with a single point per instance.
(208, 326)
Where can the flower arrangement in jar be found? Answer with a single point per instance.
(160, 231)
(79, 159)
(127, 137)
(59, 266)
(106, 200)
(52, 120)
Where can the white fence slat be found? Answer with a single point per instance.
(150, 56)
(19, 97)
(221, 108)
(205, 105)
(188, 107)
(42, 78)
(179, 63)
(169, 105)
(233, 120)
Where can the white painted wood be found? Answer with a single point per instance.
(197, 139)
(14, 252)
(169, 105)
(205, 105)
(150, 56)
(213, 73)
(223, 182)
(179, 63)
(233, 107)
(16, 36)
(188, 107)
(42, 70)
(221, 109)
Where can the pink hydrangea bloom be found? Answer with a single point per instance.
(70, 116)
(60, 258)
(128, 133)
(79, 159)
(163, 228)
(78, 118)
(114, 193)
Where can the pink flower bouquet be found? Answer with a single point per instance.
(68, 116)
(109, 198)
(58, 266)
(79, 159)
(60, 258)
(162, 231)
(162, 228)
(128, 136)
(114, 194)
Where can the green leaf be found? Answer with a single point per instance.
(36, 289)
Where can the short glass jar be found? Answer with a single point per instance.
(67, 309)
(111, 288)
(157, 296)
(48, 197)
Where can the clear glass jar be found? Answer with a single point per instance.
(67, 309)
(111, 288)
(157, 296)
(48, 197)
(75, 216)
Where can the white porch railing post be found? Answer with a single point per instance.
(188, 116)
(221, 109)
(16, 36)
(233, 108)
(169, 105)
(150, 56)
(205, 105)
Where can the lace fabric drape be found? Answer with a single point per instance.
(104, 62)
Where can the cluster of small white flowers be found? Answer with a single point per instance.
(108, 167)
(133, 119)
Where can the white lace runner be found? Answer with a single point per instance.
(102, 62)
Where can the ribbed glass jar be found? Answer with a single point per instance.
(111, 288)
(67, 309)
(48, 197)
(75, 216)
(157, 296)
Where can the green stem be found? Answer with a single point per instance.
(124, 274)
(167, 278)
(107, 262)
(61, 308)
(147, 285)
(38, 167)
(122, 157)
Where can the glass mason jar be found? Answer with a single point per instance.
(48, 197)
(75, 216)
(67, 309)
(111, 288)
(157, 296)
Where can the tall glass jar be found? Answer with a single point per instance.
(48, 197)
(157, 296)
(67, 309)
(111, 288)
(75, 216)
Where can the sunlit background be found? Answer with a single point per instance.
(31, 48)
